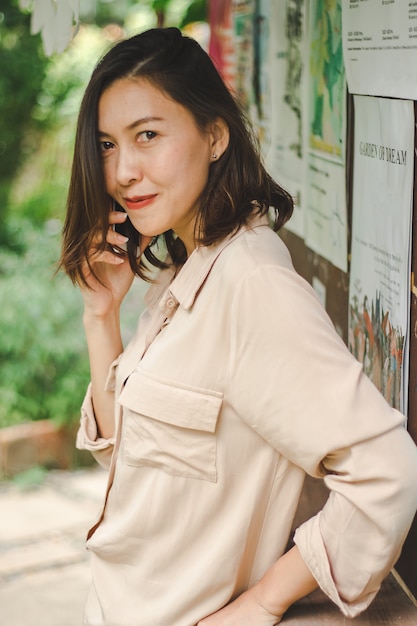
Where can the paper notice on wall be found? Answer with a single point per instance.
(380, 265)
(380, 46)
(326, 216)
(287, 59)
(261, 111)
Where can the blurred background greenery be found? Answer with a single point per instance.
(43, 359)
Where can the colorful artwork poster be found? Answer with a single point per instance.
(326, 214)
(221, 46)
(327, 93)
(285, 156)
(380, 47)
(243, 29)
(381, 232)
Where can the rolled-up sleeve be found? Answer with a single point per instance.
(353, 543)
(87, 436)
(295, 383)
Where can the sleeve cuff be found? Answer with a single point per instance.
(110, 384)
(87, 436)
(310, 543)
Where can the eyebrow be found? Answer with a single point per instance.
(135, 124)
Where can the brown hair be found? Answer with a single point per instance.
(237, 182)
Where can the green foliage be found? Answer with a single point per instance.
(30, 479)
(39, 188)
(43, 358)
(197, 11)
(43, 361)
(23, 67)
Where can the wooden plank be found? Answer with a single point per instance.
(390, 607)
(309, 265)
(407, 564)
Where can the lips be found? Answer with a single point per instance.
(139, 202)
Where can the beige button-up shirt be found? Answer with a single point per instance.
(234, 385)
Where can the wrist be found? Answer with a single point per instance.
(104, 318)
(288, 580)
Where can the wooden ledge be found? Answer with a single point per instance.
(391, 607)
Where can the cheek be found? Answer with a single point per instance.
(108, 176)
(194, 165)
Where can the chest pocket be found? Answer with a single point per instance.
(170, 427)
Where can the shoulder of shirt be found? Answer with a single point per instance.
(252, 247)
(255, 248)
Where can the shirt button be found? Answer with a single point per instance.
(170, 303)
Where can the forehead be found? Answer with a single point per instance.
(128, 100)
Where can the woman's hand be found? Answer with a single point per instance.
(102, 300)
(246, 610)
(113, 272)
(264, 604)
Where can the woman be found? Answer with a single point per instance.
(235, 383)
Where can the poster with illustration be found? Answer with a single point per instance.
(261, 73)
(326, 230)
(327, 92)
(285, 155)
(381, 231)
(243, 14)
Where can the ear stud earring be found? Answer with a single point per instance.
(214, 156)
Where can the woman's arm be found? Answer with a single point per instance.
(104, 345)
(102, 301)
(317, 408)
(264, 604)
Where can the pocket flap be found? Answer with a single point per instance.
(172, 403)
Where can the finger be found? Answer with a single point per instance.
(116, 242)
(117, 217)
(113, 237)
(110, 255)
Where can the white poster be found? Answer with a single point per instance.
(380, 47)
(381, 233)
(286, 153)
(326, 215)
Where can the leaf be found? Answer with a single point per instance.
(63, 25)
(54, 19)
(42, 14)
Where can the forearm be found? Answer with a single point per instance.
(264, 604)
(288, 580)
(104, 346)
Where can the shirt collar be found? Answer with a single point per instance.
(187, 284)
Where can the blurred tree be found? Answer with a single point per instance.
(31, 92)
(197, 11)
(23, 66)
(160, 7)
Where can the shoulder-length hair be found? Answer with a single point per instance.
(238, 183)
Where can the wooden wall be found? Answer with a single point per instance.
(309, 264)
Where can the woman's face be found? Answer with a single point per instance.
(156, 161)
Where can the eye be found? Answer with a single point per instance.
(146, 136)
(106, 145)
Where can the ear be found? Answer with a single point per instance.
(219, 136)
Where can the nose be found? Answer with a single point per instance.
(129, 169)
